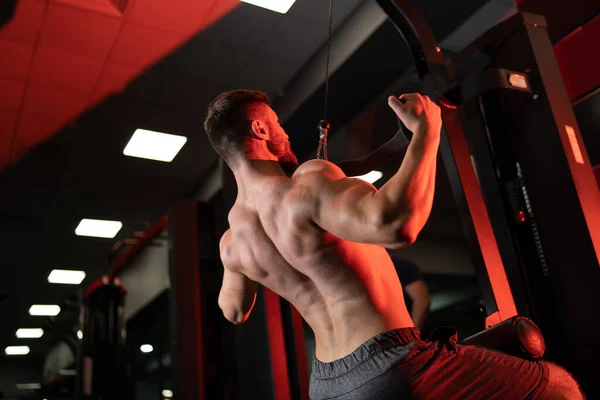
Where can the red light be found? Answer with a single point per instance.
(521, 217)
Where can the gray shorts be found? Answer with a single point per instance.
(397, 365)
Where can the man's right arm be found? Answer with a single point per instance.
(393, 216)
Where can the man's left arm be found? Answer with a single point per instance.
(419, 294)
(238, 292)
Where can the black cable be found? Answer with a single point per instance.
(324, 124)
(328, 55)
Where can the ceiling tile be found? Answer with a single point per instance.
(12, 94)
(294, 39)
(113, 80)
(100, 6)
(141, 47)
(19, 55)
(51, 100)
(8, 122)
(55, 67)
(79, 31)
(180, 16)
(26, 22)
(35, 128)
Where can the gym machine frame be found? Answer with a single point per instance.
(436, 81)
(532, 217)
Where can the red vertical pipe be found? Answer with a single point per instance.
(302, 362)
(279, 366)
(183, 232)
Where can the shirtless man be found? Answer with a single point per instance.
(318, 239)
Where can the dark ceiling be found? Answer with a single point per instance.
(80, 172)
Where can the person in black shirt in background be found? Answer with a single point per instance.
(415, 290)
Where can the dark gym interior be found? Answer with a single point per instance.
(78, 78)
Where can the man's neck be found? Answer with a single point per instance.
(251, 174)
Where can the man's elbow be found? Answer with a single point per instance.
(231, 312)
(399, 234)
(405, 229)
(234, 316)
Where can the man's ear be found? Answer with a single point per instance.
(259, 130)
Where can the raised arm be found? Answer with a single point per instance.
(393, 216)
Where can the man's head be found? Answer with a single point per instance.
(241, 125)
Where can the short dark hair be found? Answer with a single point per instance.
(223, 123)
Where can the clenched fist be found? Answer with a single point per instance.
(418, 113)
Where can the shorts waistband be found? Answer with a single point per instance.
(381, 342)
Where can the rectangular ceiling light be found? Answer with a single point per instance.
(44, 310)
(16, 350)
(371, 177)
(66, 277)
(154, 145)
(280, 6)
(28, 386)
(98, 228)
(35, 333)
(146, 348)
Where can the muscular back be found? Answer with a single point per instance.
(346, 291)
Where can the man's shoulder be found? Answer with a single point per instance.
(320, 168)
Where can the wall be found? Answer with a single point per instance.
(146, 276)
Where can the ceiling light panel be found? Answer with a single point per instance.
(29, 386)
(146, 348)
(44, 310)
(16, 350)
(98, 228)
(154, 145)
(66, 277)
(371, 177)
(280, 6)
(35, 333)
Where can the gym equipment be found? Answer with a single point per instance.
(324, 125)
(517, 336)
(60, 362)
(521, 178)
(103, 365)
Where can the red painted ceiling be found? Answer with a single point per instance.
(62, 57)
